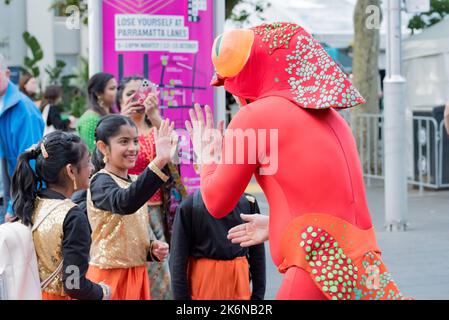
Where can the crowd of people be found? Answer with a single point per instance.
(112, 198)
(102, 199)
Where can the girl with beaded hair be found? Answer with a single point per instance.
(320, 230)
(61, 233)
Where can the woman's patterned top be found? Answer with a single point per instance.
(147, 153)
(86, 126)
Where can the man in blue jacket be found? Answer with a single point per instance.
(2, 210)
(21, 126)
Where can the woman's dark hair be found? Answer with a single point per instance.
(51, 95)
(23, 82)
(96, 86)
(59, 149)
(108, 127)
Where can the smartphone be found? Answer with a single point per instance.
(144, 90)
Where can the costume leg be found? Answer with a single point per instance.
(297, 285)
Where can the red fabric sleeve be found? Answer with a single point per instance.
(222, 185)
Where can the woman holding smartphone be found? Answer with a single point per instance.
(140, 103)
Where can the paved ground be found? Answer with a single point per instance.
(418, 258)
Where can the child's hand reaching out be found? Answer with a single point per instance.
(159, 250)
(166, 143)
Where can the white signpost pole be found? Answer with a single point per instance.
(95, 36)
(220, 94)
(395, 125)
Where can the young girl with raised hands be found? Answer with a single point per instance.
(61, 232)
(116, 206)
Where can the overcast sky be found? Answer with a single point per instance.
(316, 16)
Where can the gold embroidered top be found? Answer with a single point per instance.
(48, 240)
(118, 241)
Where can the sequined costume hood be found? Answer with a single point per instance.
(281, 59)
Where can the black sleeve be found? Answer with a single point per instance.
(75, 250)
(79, 198)
(257, 268)
(180, 250)
(54, 118)
(108, 196)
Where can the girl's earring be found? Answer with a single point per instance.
(101, 102)
(106, 159)
(75, 186)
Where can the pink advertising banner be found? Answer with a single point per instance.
(169, 43)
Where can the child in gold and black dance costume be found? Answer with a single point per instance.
(204, 264)
(62, 235)
(116, 206)
(162, 205)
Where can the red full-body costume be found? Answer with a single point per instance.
(320, 233)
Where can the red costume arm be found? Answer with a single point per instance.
(222, 185)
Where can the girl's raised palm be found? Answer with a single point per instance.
(166, 140)
(206, 139)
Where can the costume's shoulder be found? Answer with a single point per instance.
(254, 114)
(268, 105)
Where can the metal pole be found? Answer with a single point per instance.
(95, 36)
(395, 125)
(220, 94)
